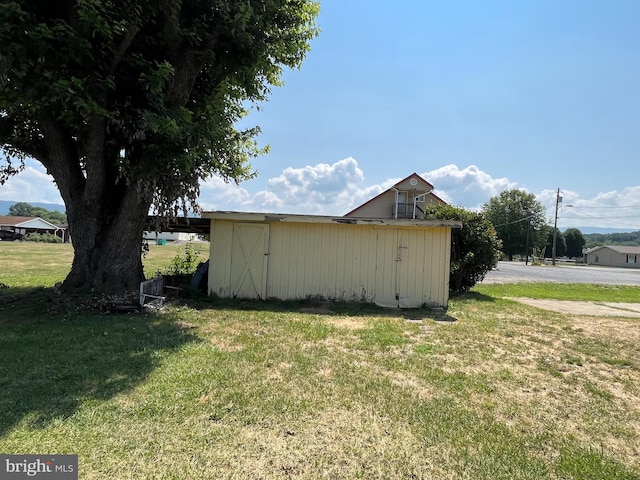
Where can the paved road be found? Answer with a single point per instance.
(511, 272)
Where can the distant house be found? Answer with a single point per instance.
(405, 199)
(169, 236)
(613, 256)
(27, 225)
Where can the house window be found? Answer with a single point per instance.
(631, 259)
(597, 259)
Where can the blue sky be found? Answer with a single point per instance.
(475, 96)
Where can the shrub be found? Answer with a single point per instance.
(184, 263)
(475, 248)
(42, 237)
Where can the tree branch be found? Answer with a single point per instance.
(128, 37)
(62, 161)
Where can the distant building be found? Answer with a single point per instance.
(405, 199)
(27, 225)
(613, 256)
(169, 236)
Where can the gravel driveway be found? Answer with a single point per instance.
(514, 272)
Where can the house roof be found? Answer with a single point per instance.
(419, 181)
(12, 220)
(27, 222)
(622, 249)
(296, 218)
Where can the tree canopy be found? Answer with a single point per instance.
(561, 246)
(130, 104)
(574, 241)
(23, 209)
(475, 248)
(516, 216)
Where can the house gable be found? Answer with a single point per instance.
(408, 192)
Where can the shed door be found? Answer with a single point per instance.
(249, 255)
(391, 268)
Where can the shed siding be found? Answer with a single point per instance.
(220, 258)
(331, 261)
(392, 266)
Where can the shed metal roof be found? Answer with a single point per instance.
(297, 218)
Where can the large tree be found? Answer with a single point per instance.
(575, 242)
(475, 248)
(129, 104)
(561, 246)
(516, 216)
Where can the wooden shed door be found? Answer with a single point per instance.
(391, 268)
(249, 255)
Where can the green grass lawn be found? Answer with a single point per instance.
(491, 389)
(31, 264)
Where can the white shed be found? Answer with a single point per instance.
(394, 263)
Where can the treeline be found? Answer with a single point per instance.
(624, 238)
(23, 209)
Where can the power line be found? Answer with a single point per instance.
(524, 219)
(591, 208)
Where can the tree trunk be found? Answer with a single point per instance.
(107, 239)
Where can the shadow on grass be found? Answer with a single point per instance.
(321, 307)
(52, 363)
(473, 296)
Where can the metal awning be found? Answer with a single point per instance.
(181, 224)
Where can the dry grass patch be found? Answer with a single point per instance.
(333, 443)
(581, 379)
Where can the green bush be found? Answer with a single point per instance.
(184, 263)
(42, 237)
(475, 248)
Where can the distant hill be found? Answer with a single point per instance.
(586, 230)
(612, 238)
(6, 204)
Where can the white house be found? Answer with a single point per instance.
(26, 225)
(613, 256)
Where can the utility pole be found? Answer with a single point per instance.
(555, 228)
(526, 249)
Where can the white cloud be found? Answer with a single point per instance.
(33, 184)
(338, 188)
(216, 194)
(318, 189)
(612, 210)
(334, 189)
(469, 187)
